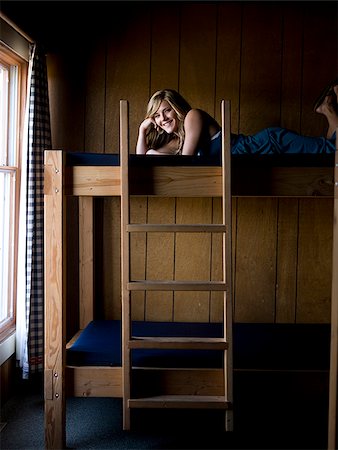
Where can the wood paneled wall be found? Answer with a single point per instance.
(271, 59)
(282, 255)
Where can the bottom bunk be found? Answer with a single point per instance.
(94, 358)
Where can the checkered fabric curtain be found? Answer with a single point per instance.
(39, 139)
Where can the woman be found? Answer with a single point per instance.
(173, 127)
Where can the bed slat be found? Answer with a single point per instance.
(177, 286)
(180, 401)
(187, 343)
(184, 228)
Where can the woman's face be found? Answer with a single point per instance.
(166, 117)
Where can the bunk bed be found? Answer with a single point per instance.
(76, 367)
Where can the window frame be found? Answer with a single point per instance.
(10, 58)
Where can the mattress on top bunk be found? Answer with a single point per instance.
(110, 159)
(278, 160)
(257, 346)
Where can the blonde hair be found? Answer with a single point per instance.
(158, 138)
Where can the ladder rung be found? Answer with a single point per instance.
(192, 228)
(176, 286)
(180, 401)
(184, 343)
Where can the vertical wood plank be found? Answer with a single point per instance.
(164, 46)
(292, 65)
(192, 259)
(160, 259)
(72, 264)
(198, 55)
(138, 251)
(260, 66)
(86, 262)
(314, 261)
(111, 259)
(216, 303)
(66, 90)
(287, 260)
(216, 298)
(229, 29)
(95, 94)
(256, 260)
(55, 301)
(234, 251)
(128, 70)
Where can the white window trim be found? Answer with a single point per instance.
(7, 348)
(18, 42)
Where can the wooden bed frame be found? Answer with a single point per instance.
(87, 182)
(168, 181)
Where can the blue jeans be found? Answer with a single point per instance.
(279, 140)
(275, 140)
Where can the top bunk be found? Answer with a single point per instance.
(98, 174)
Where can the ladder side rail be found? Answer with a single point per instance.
(125, 260)
(333, 380)
(227, 255)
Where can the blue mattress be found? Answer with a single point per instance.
(110, 159)
(286, 160)
(255, 346)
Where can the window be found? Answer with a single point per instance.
(13, 74)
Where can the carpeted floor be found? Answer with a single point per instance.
(271, 411)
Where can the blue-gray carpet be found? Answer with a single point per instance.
(272, 411)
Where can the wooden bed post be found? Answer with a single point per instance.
(86, 260)
(125, 262)
(55, 300)
(332, 422)
(227, 258)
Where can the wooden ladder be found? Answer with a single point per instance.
(128, 341)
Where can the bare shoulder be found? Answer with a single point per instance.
(195, 115)
(199, 115)
(200, 119)
(195, 112)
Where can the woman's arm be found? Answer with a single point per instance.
(141, 145)
(171, 148)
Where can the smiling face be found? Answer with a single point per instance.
(166, 118)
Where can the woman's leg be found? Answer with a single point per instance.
(276, 140)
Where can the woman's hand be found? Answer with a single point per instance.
(146, 124)
(141, 145)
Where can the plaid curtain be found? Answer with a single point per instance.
(39, 139)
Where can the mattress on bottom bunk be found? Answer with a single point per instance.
(100, 344)
(257, 346)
